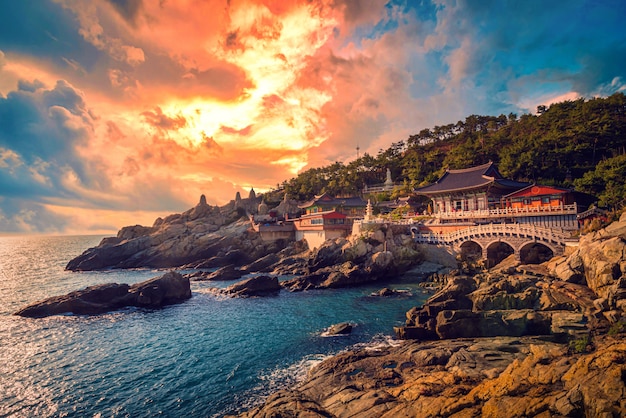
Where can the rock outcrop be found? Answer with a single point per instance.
(495, 377)
(599, 263)
(205, 235)
(168, 289)
(253, 286)
(512, 303)
(343, 328)
(377, 254)
(582, 292)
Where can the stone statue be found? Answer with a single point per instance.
(388, 181)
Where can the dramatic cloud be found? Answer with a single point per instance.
(114, 112)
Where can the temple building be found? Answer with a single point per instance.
(352, 207)
(327, 217)
(480, 194)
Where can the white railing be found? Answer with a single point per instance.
(499, 213)
(591, 211)
(382, 187)
(482, 231)
(403, 221)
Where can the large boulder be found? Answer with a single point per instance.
(599, 262)
(168, 289)
(154, 293)
(343, 328)
(466, 323)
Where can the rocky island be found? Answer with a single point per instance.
(168, 289)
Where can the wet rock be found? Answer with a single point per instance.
(154, 293)
(343, 328)
(387, 292)
(226, 273)
(254, 286)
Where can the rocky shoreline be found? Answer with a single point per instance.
(489, 377)
(542, 340)
(516, 340)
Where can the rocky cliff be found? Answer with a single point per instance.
(211, 235)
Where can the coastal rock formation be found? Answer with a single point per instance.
(207, 235)
(377, 254)
(555, 346)
(582, 292)
(343, 328)
(599, 263)
(168, 289)
(254, 286)
(229, 272)
(387, 292)
(503, 376)
(497, 303)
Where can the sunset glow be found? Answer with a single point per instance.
(114, 112)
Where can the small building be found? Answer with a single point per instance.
(327, 217)
(352, 207)
(318, 227)
(547, 206)
(275, 230)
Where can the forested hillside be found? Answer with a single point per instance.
(580, 144)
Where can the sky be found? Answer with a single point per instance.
(116, 112)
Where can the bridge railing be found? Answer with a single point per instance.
(512, 230)
(512, 212)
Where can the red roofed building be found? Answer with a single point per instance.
(327, 217)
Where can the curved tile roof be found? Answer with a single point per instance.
(470, 179)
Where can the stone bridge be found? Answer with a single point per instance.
(494, 242)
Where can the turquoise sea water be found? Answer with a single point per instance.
(206, 357)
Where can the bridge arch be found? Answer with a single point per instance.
(497, 251)
(536, 252)
(500, 240)
(471, 251)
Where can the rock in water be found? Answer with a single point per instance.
(168, 289)
(153, 293)
(254, 286)
(92, 300)
(343, 328)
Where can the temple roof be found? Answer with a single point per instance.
(473, 178)
(328, 200)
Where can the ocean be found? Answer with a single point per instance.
(206, 357)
